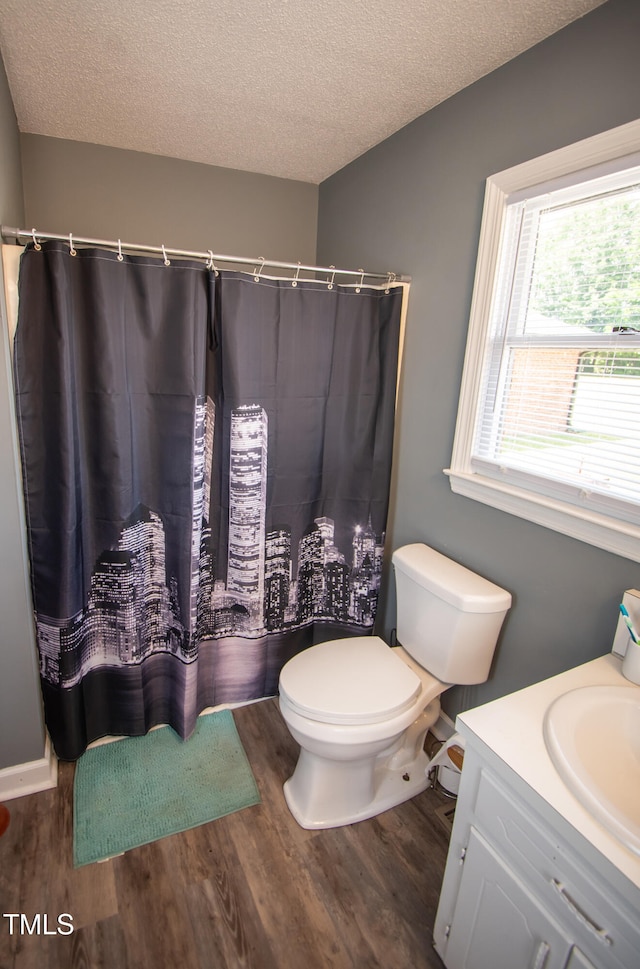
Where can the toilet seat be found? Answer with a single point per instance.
(355, 680)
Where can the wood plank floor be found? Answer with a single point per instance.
(249, 890)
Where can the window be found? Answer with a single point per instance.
(549, 418)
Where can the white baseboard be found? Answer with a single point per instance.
(37, 775)
(443, 728)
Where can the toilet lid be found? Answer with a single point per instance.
(349, 681)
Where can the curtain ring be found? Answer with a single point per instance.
(359, 286)
(333, 276)
(210, 262)
(257, 272)
(36, 244)
(391, 278)
(72, 251)
(294, 281)
(120, 256)
(167, 262)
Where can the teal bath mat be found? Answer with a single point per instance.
(134, 791)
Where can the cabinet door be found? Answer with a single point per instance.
(497, 922)
(578, 960)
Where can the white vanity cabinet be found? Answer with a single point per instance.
(523, 887)
(497, 921)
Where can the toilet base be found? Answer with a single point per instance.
(391, 788)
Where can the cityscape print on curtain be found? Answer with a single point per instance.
(206, 468)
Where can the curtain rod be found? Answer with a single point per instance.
(10, 233)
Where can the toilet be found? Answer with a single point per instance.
(360, 710)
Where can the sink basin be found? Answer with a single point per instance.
(593, 738)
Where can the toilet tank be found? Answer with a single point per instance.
(448, 618)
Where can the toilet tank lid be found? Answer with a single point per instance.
(449, 580)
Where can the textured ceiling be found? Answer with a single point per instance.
(293, 88)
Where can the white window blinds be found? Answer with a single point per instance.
(560, 401)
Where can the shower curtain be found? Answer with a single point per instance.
(206, 459)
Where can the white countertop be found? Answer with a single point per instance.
(512, 727)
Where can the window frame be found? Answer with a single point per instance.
(598, 155)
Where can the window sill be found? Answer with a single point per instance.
(602, 531)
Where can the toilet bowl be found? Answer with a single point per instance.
(361, 747)
(360, 710)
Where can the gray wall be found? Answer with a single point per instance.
(108, 193)
(413, 204)
(21, 730)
